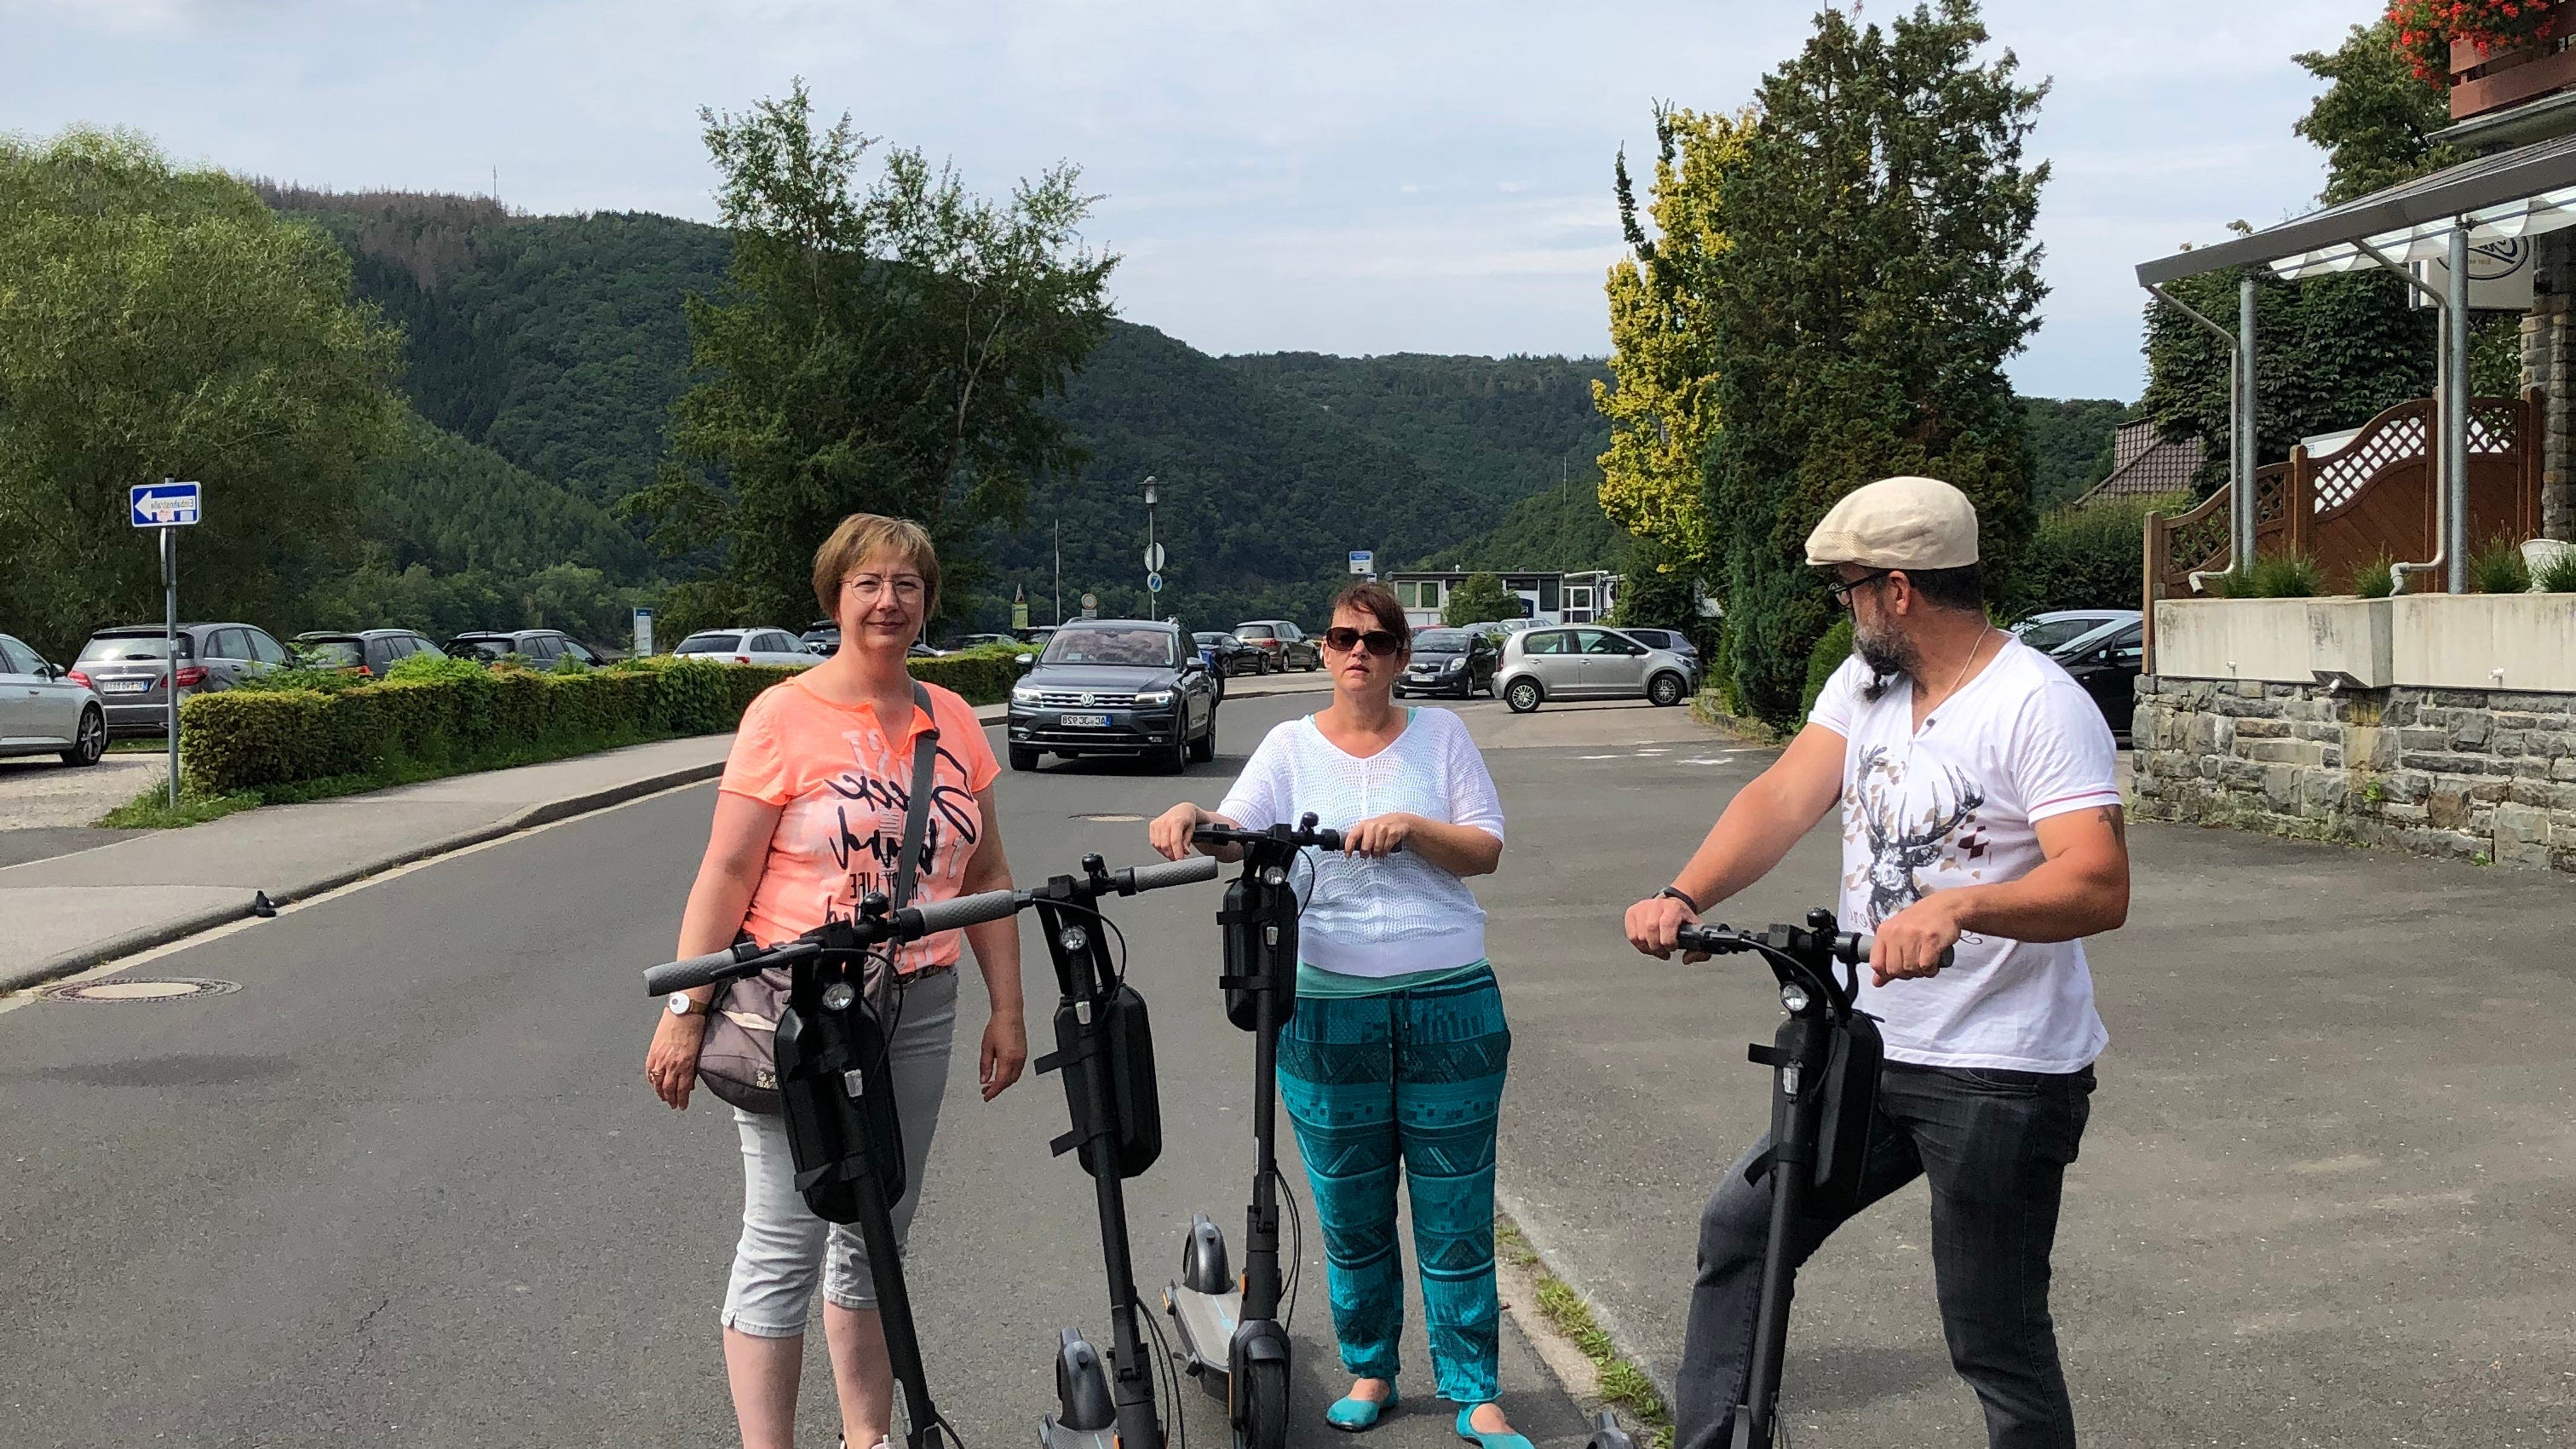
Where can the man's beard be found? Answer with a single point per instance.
(1889, 656)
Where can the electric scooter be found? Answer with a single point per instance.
(836, 1091)
(1824, 1063)
(1105, 1049)
(1230, 1330)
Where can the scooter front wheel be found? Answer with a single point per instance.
(1263, 1421)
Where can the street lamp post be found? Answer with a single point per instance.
(1149, 543)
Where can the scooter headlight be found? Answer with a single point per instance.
(1794, 998)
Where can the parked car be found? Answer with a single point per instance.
(822, 640)
(978, 641)
(753, 644)
(1455, 662)
(1115, 687)
(2106, 662)
(46, 709)
(1671, 641)
(540, 647)
(2058, 628)
(1286, 645)
(1229, 656)
(1586, 662)
(130, 668)
(369, 652)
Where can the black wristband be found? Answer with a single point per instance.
(1683, 896)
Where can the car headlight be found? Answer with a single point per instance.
(1453, 666)
(1023, 694)
(1152, 697)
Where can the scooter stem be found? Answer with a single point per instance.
(894, 1312)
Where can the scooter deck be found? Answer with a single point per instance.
(1055, 1435)
(1207, 1322)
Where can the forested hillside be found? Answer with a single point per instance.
(1262, 493)
(546, 352)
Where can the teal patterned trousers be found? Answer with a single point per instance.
(1405, 1081)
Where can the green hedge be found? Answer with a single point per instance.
(2087, 558)
(246, 739)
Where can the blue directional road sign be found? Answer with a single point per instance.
(163, 505)
(1153, 583)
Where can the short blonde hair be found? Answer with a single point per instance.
(860, 537)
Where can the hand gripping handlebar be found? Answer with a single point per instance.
(1850, 947)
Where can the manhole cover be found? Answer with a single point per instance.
(1109, 819)
(136, 988)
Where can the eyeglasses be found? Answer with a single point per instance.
(871, 587)
(1379, 642)
(1841, 589)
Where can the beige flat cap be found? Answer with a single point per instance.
(1898, 523)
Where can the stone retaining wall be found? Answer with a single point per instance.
(2485, 775)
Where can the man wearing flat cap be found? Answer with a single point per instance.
(1978, 812)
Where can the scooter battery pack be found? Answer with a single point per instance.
(1855, 1053)
(1127, 1053)
(1247, 959)
(833, 1135)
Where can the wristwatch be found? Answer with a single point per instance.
(1683, 896)
(682, 1005)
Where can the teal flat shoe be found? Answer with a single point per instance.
(1353, 1415)
(1467, 1431)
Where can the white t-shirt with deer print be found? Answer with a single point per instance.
(1953, 804)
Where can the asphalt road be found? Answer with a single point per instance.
(406, 1185)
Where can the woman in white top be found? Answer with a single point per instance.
(1394, 1061)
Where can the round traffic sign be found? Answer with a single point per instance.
(1153, 583)
(1154, 558)
(1091, 601)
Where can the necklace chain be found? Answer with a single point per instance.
(1965, 664)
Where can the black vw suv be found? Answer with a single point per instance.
(1116, 687)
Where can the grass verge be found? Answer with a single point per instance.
(1620, 1383)
(150, 810)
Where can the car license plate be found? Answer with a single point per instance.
(1084, 721)
(124, 686)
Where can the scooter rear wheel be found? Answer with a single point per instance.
(1264, 1424)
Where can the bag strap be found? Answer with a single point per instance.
(916, 813)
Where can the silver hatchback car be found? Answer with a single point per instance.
(1587, 661)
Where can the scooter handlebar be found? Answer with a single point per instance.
(737, 960)
(1860, 953)
(960, 911)
(673, 976)
(1167, 873)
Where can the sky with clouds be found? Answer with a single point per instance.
(1397, 176)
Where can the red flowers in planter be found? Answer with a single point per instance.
(2427, 28)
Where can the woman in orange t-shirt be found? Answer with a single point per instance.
(809, 819)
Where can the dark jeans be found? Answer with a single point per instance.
(1995, 1146)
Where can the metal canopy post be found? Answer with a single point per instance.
(2455, 412)
(2240, 392)
(2247, 423)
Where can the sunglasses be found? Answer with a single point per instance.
(1379, 642)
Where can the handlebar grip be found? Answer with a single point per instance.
(974, 910)
(1169, 873)
(673, 976)
(1860, 953)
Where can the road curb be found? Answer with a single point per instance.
(1516, 1212)
(162, 933)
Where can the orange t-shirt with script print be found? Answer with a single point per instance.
(841, 782)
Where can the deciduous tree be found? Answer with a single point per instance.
(1663, 337)
(1479, 599)
(160, 321)
(885, 349)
